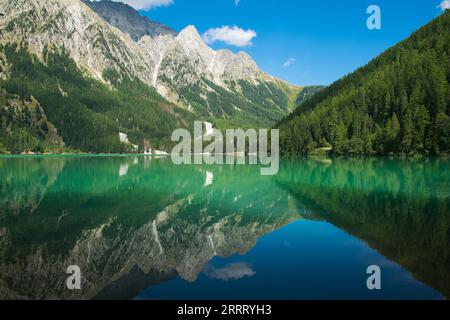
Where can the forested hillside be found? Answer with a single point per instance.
(24, 126)
(398, 104)
(87, 113)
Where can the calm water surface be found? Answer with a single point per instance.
(142, 228)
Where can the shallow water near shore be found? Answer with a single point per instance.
(143, 228)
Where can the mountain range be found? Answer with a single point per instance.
(99, 68)
(76, 75)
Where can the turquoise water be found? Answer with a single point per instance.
(143, 228)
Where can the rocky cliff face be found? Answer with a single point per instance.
(128, 20)
(219, 84)
(72, 26)
(182, 68)
(202, 61)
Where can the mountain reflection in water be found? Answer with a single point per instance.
(132, 223)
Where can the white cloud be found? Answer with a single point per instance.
(289, 62)
(234, 36)
(445, 5)
(145, 4)
(233, 271)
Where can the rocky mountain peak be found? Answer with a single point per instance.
(191, 29)
(128, 20)
(194, 46)
(190, 37)
(72, 26)
(181, 67)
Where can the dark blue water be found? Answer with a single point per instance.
(304, 260)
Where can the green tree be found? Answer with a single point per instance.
(399, 103)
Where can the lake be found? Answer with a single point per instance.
(143, 228)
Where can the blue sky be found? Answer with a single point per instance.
(305, 42)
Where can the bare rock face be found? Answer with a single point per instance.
(194, 76)
(216, 66)
(128, 20)
(181, 67)
(231, 67)
(70, 24)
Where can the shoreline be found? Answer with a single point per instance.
(105, 155)
(38, 155)
(127, 155)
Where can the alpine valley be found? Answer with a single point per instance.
(75, 74)
(88, 212)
